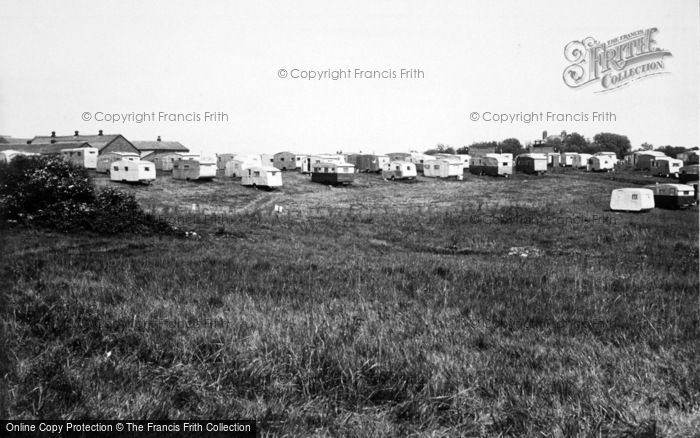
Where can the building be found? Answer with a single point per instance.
(540, 147)
(103, 143)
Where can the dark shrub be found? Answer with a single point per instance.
(52, 193)
(117, 212)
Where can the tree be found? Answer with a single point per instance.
(672, 151)
(440, 149)
(647, 146)
(575, 142)
(609, 142)
(510, 146)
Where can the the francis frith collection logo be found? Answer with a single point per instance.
(616, 62)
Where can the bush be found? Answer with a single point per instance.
(52, 193)
(118, 212)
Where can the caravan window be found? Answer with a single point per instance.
(398, 167)
(126, 168)
(634, 197)
(146, 169)
(91, 152)
(116, 168)
(256, 173)
(436, 166)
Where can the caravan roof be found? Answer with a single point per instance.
(670, 189)
(536, 156)
(652, 153)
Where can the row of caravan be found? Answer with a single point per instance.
(670, 196)
(190, 169)
(438, 165)
(83, 157)
(132, 169)
(659, 164)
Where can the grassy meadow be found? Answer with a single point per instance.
(483, 307)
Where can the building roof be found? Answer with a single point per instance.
(263, 168)
(98, 141)
(158, 145)
(11, 139)
(43, 148)
(330, 164)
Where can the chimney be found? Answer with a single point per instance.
(544, 135)
(53, 134)
(76, 133)
(100, 133)
(158, 138)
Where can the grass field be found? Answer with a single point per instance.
(483, 307)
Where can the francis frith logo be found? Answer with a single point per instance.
(616, 62)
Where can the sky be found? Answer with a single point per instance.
(91, 65)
